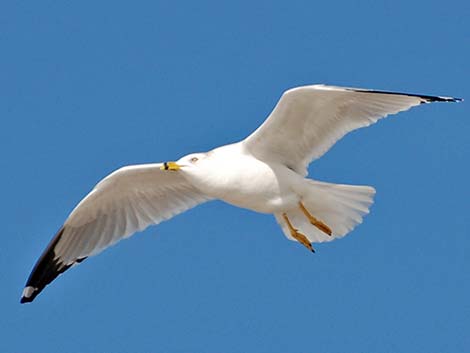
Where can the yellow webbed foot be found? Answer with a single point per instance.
(301, 238)
(315, 221)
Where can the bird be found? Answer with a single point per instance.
(266, 172)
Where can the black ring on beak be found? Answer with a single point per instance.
(165, 166)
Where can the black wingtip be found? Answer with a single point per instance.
(28, 298)
(425, 98)
(431, 99)
(46, 269)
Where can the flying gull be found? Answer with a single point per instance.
(266, 172)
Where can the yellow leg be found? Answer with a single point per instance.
(297, 235)
(314, 221)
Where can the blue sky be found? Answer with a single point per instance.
(87, 87)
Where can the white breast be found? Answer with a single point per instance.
(240, 179)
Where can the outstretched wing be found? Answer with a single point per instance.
(308, 120)
(126, 201)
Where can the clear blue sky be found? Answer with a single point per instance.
(87, 87)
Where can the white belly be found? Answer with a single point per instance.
(246, 182)
(261, 192)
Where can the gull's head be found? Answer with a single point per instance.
(186, 163)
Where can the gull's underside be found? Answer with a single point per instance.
(265, 172)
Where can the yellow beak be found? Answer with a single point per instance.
(170, 166)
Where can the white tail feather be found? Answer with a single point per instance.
(340, 207)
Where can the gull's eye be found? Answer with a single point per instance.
(194, 160)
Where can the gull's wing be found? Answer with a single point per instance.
(308, 120)
(126, 201)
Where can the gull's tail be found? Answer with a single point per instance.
(339, 207)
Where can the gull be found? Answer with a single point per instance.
(266, 172)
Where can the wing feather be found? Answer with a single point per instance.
(308, 120)
(126, 201)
